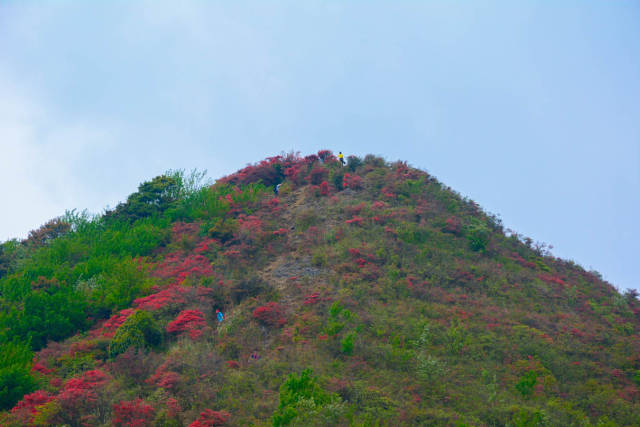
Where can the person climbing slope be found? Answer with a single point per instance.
(341, 158)
(219, 315)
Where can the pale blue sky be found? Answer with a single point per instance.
(532, 109)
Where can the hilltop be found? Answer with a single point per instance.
(369, 294)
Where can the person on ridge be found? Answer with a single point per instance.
(341, 158)
(277, 189)
(219, 315)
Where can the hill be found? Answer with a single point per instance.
(369, 294)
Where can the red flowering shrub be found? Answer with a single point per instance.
(352, 181)
(523, 262)
(295, 174)
(311, 158)
(317, 175)
(465, 277)
(172, 295)
(403, 171)
(270, 315)
(180, 230)
(173, 407)
(391, 231)
(549, 278)
(81, 391)
(210, 418)
(84, 347)
(312, 298)
(191, 321)
(232, 364)
(356, 220)
(388, 193)
(355, 209)
(134, 413)
(176, 267)
(204, 292)
(629, 393)
(249, 226)
(280, 232)
(361, 257)
(577, 333)
(38, 367)
(27, 408)
(109, 327)
(231, 253)
(325, 155)
(324, 188)
(163, 378)
(453, 226)
(273, 204)
(206, 245)
(268, 171)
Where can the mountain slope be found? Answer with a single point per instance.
(366, 294)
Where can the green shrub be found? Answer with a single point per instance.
(529, 417)
(319, 257)
(456, 337)
(223, 229)
(527, 383)
(337, 177)
(375, 161)
(302, 397)
(338, 316)
(353, 163)
(478, 237)
(124, 282)
(139, 330)
(428, 367)
(411, 188)
(246, 288)
(411, 233)
(70, 365)
(347, 343)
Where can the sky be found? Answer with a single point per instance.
(530, 108)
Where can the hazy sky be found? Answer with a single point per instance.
(532, 109)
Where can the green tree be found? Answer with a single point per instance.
(153, 197)
(15, 378)
(51, 314)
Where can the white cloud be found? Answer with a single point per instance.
(38, 155)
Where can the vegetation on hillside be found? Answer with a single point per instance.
(369, 294)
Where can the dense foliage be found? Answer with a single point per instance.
(369, 294)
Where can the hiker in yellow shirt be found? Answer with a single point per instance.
(341, 158)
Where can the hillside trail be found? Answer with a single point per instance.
(292, 264)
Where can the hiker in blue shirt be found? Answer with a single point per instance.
(220, 316)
